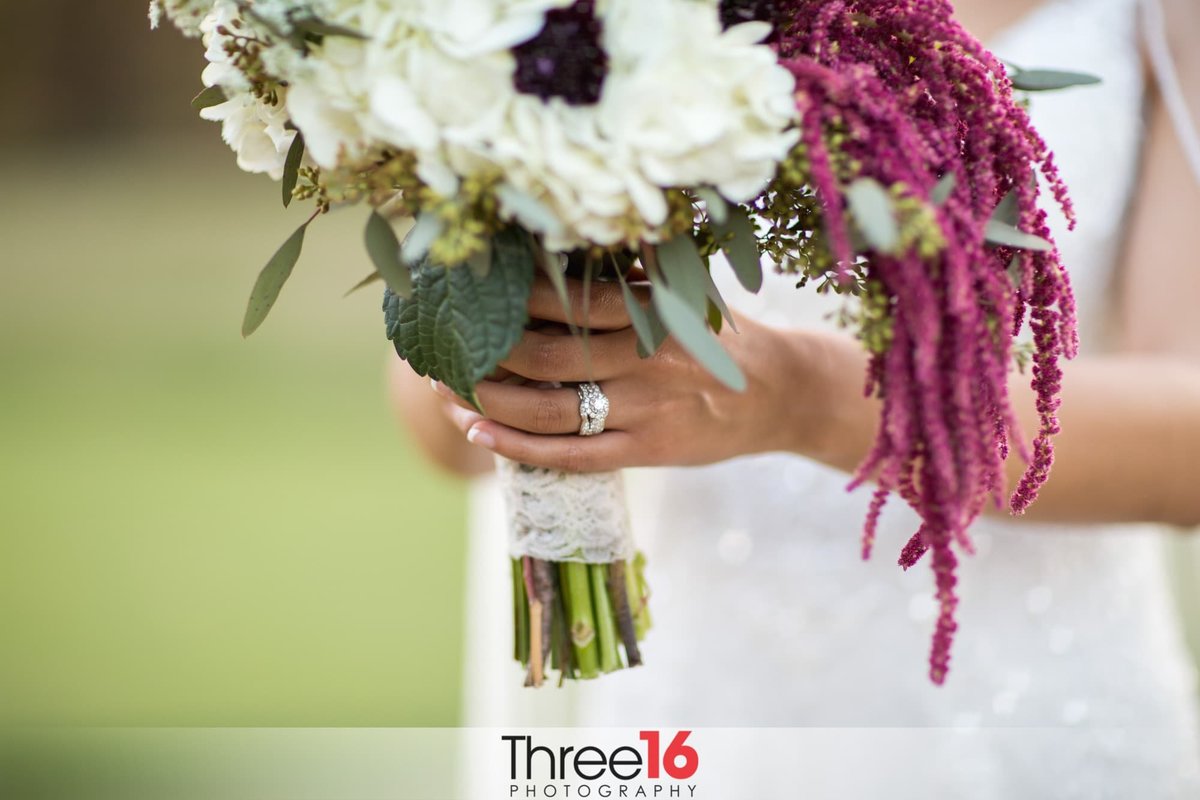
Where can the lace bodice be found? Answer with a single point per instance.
(766, 615)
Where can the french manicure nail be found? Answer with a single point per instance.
(478, 436)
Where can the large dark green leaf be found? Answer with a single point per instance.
(457, 325)
(685, 272)
(384, 249)
(1047, 80)
(871, 206)
(291, 168)
(737, 240)
(692, 333)
(271, 279)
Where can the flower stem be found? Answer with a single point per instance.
(520, 614)
(618, 590)
(577, 590)
(535, 675)
(606, 623)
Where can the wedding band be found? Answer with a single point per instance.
(593, 409)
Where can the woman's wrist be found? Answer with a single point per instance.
(819, 408)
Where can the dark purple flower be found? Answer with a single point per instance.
(566, 59)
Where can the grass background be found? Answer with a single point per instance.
(197, 529)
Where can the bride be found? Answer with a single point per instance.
(766, 615)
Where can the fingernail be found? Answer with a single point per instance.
(433, 384)
(477, 435)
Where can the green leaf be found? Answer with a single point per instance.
(997, 232)
(718, 209)
(365, 282)
(943, 188)
(740, 245)
(716, 303)
(553, 267)
(1006, 210)
(648, 338)
(1047, 80)
(693, 335)
(529, 211)
(684, 271)
(291, 168)
(481, 262)
(384, 249)
(319, 27)
(871, 206)
(271, 279)
(658, 334)
(715, 317)
(208, 97)
(457, 327)
(420, 238)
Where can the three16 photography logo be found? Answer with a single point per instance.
(658, 764)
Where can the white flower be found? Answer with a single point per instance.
(683, 104)
(255, 130)
(185, 14)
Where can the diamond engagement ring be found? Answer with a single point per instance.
(593, 409)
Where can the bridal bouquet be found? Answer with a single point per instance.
(870, 148)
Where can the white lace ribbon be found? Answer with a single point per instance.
(562, 516)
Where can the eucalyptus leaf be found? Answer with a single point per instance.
(1047, 80)
(374, 277)
(291, 168)
(997, 232)
(554, 266)
(738, 241)
(1007, 211)
(718, 209)
(871, 206)
(421, 237)
(684, 271)
(271, 279)
(531, 212)
(693, 335)
(456, 327)
(715, 318)
(648, 341)
(208, 97)
(942, 189)
(716, 302)
(658, 333)
(384, 249)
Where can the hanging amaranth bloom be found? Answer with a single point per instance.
(911, 99)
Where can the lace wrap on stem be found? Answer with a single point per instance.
(563, 516)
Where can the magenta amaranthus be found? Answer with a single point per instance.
(914, 98)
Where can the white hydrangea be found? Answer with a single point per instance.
(185, 14)
(683, 104)
(256, 130)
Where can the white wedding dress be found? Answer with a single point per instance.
(765, 614)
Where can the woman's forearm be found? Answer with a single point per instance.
(1129, 450)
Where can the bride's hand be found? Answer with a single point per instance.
(664, 410)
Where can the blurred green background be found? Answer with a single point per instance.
(194, 529)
